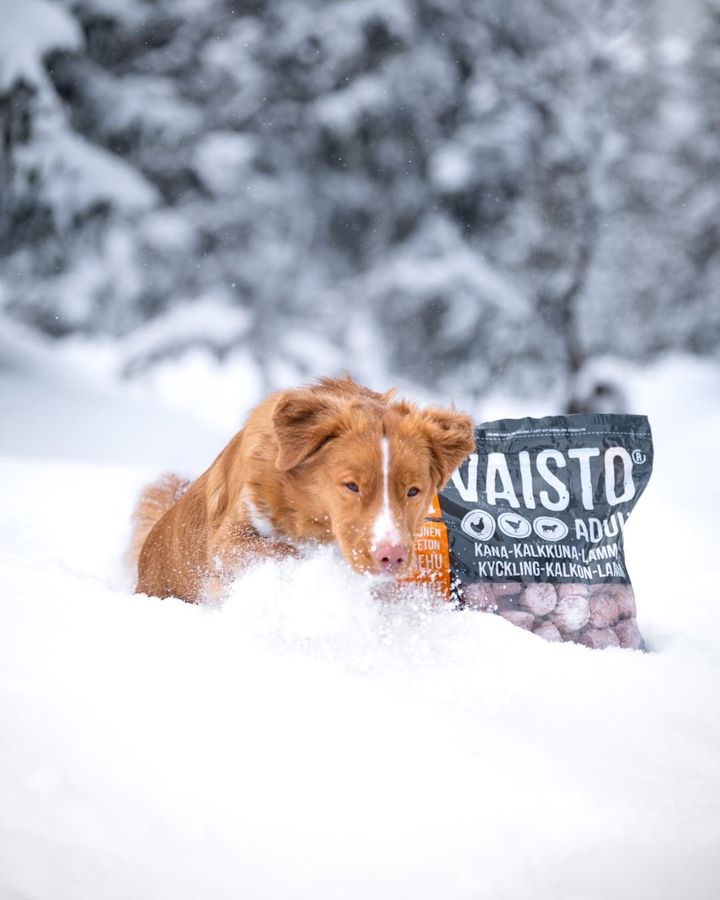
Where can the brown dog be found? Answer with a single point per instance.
(331, 462)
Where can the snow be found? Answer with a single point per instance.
(224, 161)
(73, 173)
(309, 740)
(453, 174)
(444, 258)
(202, 320)
(76, 175)
(152, 103)
(452, 168)
(340, 110)
(30, 30)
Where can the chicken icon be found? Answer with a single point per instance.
(478, 524)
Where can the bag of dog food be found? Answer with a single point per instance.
(531, 526)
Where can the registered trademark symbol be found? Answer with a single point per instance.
(638, 457)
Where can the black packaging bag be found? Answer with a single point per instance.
(535, 520)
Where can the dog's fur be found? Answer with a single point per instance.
(289, 476)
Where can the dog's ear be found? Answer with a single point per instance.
(303, 422)
(450, 439)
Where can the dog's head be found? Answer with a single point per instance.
(368, 465)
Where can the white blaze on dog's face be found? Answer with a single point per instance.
(386, 544)
(370, 467)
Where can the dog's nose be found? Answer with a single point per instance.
(390, 557)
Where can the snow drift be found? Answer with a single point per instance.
(305, 740)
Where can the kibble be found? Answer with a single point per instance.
(547, 631)
(563, 590)
(598, 638)
(479, 596)
(519, 617)
(571, 613)
(506, 589)
(628, 634)
(604, 610)
(539, 599)
(596, 615)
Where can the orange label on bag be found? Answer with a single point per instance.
(432, 555)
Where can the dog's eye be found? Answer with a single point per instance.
(413, 491)
(351, 486)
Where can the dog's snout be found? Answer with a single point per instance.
(390, 557)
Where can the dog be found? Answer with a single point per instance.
(332, 461)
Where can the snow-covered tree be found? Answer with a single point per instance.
(60, 192)
(701, 204)
(492, 191)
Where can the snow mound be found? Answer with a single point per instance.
(311, 739)
(307, 739)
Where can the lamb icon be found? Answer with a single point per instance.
(549, 528)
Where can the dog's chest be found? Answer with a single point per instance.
(260, 522)
(285, 519)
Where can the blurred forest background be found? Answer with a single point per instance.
(467, 194)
